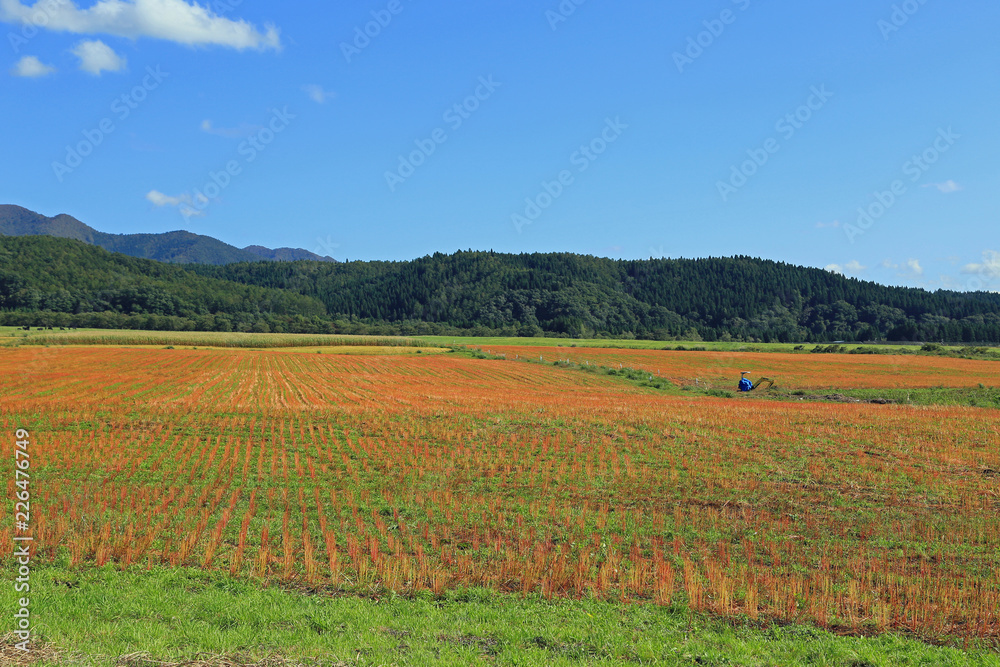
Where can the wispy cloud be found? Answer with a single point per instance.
(172, 20)
(853, 266)
(31, 67)
(317, 93)
(950, 282)
(243, 130)
(158, 199)
(96, 57)
(910, 269)
(990, 266)
(948, 187)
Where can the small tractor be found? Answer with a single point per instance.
(746, 385)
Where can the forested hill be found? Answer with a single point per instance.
(717, 298)
(51, 281)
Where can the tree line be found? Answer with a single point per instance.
(47, 281)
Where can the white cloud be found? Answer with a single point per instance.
(172, 20)
(990, 265)
(317, 93)
(950, 282)
(909, 270)
(853, 266)
(824, 225)
(158, 199)
(185, 201)
(244, 130)
(96, 57)
(32, 67)
(948, 187)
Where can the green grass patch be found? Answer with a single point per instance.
(96, 616)
(982, 397)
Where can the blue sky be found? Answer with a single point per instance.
(859, 136)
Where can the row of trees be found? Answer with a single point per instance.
(242, 322)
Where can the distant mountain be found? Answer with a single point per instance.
(178, 247)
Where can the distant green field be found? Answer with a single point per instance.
(667, 345)
(36, 336)
(15, 336)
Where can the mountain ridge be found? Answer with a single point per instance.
(174, 247)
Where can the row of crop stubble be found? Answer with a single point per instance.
(408, 473)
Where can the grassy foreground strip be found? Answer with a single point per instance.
(180, 616)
